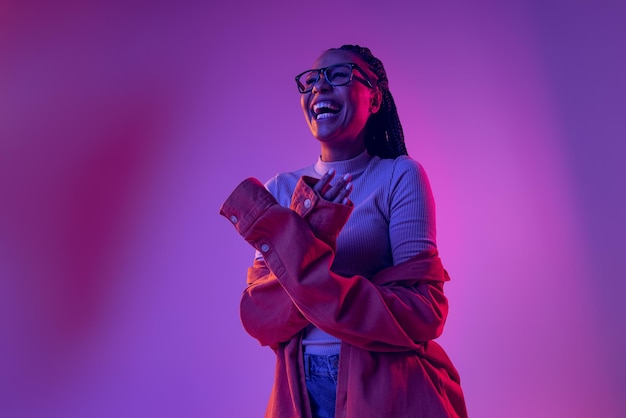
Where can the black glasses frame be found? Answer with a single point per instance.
(304, 89)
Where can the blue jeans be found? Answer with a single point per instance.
(321, 383)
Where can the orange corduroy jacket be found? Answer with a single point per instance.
(388, 365)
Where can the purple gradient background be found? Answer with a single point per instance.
(123, 128)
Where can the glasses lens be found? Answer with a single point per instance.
(339, 75)
(307, 80)
(336, 75)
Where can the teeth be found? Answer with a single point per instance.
(327, 104)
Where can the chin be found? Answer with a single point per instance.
(325, 137)
(325, 134)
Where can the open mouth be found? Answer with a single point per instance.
(325, 109)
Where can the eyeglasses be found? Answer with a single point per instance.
(335, 75)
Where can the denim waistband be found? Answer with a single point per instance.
(321, 365)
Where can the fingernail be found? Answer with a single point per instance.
(349, 186)
(345, 201)
(347, 177)
(331, 172)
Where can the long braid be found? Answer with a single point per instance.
(384, 135)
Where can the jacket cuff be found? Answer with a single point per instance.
(246, 204)
(325, 218)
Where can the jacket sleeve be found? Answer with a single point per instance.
(266, 310)
(267, 313)
(323, 217)
(395, 311)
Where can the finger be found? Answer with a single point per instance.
(322, 184)
(332, 193)
(343, 194)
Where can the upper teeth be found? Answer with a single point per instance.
(320, 105)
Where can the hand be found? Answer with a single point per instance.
(337, 193)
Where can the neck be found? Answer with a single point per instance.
(334, 154)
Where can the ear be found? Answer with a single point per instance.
(376, 101)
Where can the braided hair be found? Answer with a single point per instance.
(384, 136)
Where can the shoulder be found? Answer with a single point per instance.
(400, 170)
(407, 165)
(409, 179)
(407, 169)
(400, 164)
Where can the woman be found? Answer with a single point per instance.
(346, 286)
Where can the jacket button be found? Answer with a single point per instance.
(307, 203)
(265, 248)
(233, 219)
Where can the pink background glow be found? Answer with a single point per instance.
(123, 128)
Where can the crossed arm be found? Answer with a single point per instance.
(293, 285)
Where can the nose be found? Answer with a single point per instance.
(321, 86)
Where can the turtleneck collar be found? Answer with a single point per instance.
(353, 166)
